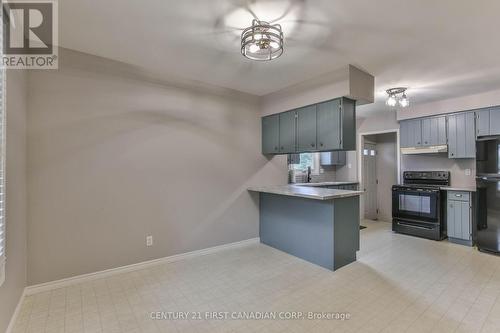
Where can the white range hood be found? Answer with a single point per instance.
(424, 150)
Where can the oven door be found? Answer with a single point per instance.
(415, 204)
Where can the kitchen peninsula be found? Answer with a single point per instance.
(319, 225)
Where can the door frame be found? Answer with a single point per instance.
(360, 144)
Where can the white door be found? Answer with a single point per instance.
(370, 180)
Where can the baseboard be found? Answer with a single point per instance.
(34, 289)
(13, 319)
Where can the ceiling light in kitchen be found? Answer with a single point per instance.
(262, 41)
(397, 96)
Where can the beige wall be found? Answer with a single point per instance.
(387, 173)
(15, 279)
(116, 156)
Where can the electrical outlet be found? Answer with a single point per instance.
(321, 170)
(349, 166)
(467, 172)
(149, 240)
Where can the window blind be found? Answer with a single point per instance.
(2, 162)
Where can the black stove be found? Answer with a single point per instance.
(416, 204)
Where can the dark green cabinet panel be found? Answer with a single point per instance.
(461, 135)
(287, 132)
(495, 121)
(306, 128)
(270, 134)
(333, 158)
(329, 125)
(434, 131)
(483, 122)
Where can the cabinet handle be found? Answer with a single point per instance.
(312, 144)
(282, 147)
(418, 143)
(321, 144)
(275, 148)
(425, 142)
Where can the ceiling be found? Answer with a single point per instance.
(438, 49)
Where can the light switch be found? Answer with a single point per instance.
(349, 166)
(467, 172)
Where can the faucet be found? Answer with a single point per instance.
(308, 180)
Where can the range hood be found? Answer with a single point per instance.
(424, 150)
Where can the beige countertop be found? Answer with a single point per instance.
(326, 184)
(309, 192)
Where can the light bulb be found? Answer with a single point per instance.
(257, 36)
(404, 102)
(254, 48)
(274, 45)
(391, 101)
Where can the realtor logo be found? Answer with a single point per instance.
(29, 34)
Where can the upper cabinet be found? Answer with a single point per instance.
(325, 126)
(488, 121)
(270, 134)
(461, 135)
(306, 128)
(287, 132)
(411, 133)
(423, 132)
(434, 131)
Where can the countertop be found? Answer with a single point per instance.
(463, 189)
(309, 192)
(326, 184)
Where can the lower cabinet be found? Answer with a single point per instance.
(459, 217)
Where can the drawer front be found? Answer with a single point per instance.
(459, 195)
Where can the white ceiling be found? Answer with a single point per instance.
(438, 49)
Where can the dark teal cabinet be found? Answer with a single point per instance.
(306, 128)
(326, 126)
(270, 134)
(459, 217)
(287, 132)
(461, 135)
(434, 131)
(333, 158)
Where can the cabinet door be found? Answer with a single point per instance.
(450, 219)
(270, 134)
(452, 136)
(495, 121)
(438, 131)
(306, 128)
(461, 135)
(464, 220)
(428, 131)
(411, 133)
(470, 135)
(416, 130)
(287, 132)
(483, 122)
(404, 133)
(329, 125)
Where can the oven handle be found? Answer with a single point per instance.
(413, 226)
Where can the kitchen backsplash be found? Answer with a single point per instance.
(457, 167)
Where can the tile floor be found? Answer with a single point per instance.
(399, 284)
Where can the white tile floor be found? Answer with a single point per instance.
(399, 284)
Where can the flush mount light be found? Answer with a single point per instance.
(397, 96)
(262, 41)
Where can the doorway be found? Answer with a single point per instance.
(379, 169)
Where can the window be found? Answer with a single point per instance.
(308, 160)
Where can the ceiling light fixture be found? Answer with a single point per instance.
(397, 96)
(262, 41)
